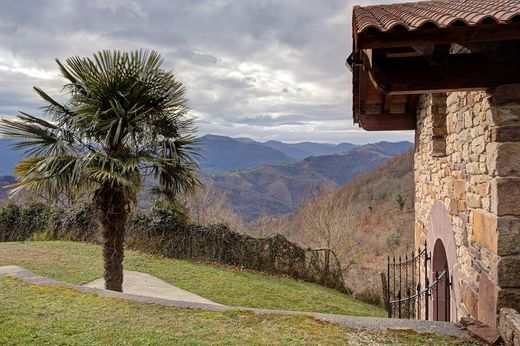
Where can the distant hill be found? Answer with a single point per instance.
(224, 154)
(303, 150)
(8, 157)
(278, 189)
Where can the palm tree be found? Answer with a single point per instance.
(125, 119)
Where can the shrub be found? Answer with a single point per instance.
(400, 200)
(76, 222)
(394, 239)
(19, 223)
(370, 296)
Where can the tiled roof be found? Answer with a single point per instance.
(435, 14)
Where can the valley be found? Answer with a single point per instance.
(280, 189)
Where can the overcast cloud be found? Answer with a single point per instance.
(258, 69)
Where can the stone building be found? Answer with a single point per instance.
(450, 70)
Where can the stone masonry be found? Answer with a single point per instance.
(510, 326)
(467, 178)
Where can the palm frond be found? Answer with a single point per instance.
(51, 175)
(36, 136)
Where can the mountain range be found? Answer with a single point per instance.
(224, 154)
(280, 188)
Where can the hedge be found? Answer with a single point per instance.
(161, 231)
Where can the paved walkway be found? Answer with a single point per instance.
(371, 323)
(146, 285)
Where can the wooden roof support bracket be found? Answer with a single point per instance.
(387, 122)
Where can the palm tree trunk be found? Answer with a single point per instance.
(112, 215)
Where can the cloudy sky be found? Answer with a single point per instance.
(253, 68)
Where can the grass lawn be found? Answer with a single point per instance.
(61, 316)
(80, 263)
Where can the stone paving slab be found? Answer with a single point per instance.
(370, 323)
(143, 284)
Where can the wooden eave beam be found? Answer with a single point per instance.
(387, 122)
(434, 36)
(463, 72)
(497, 51)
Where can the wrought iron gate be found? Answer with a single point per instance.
(409, 295)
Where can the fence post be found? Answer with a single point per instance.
(400, 273)
(393, 267)
(427, 299)
(426, 282)
(388, 288)
(399, 302)
(413, 272)
(419, 266)
(327, 265)
(386, 297)
(408, 300)
(406, 286)
(419, 300)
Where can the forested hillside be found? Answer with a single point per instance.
(366, 220)
(280, 189)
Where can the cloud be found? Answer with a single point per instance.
(272, 121)
(267, 69)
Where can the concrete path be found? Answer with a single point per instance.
(146, 285)
(370, 323)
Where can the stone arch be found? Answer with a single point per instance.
(440, 229)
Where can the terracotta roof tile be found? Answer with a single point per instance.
(440, 13)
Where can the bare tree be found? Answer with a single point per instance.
(329, 221)
(208, 205)
(268, 225)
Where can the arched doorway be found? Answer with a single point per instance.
(441, 293)
(441, 242)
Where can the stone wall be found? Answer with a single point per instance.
(467, 175)
(510, 326)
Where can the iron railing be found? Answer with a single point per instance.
(409, 296)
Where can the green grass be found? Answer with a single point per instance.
(40, 315)
(80, 263)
